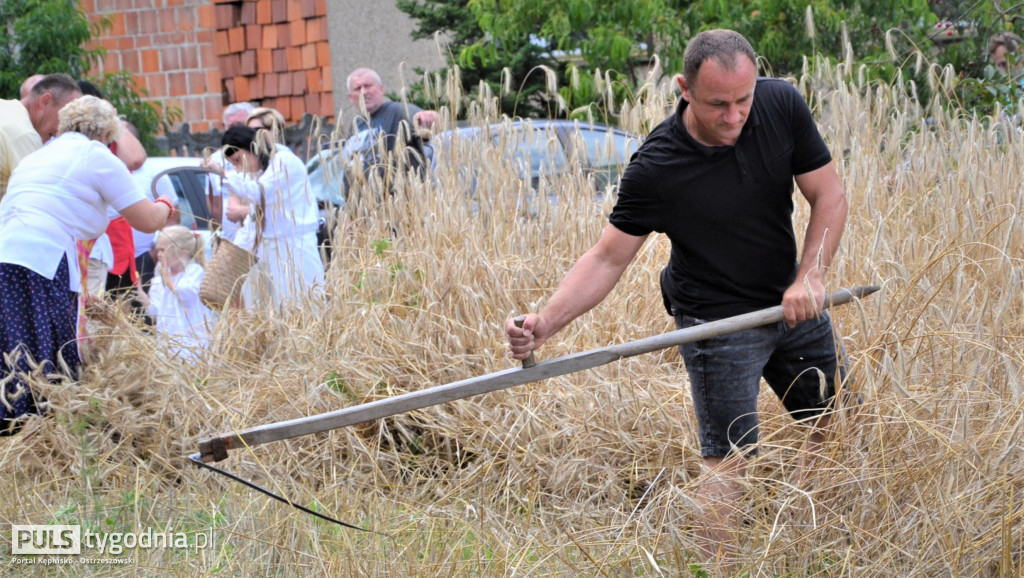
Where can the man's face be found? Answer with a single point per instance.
(237, 118)
(720, 100)
(367, 87)
(43, 111)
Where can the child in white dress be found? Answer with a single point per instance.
(182, 321)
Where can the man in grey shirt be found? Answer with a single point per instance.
(382, 120)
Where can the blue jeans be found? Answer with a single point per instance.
(800, 364)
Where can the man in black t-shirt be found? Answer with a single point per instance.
(717, 178)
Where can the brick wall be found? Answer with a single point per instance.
(200, 55)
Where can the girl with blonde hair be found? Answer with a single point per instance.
(182, 320)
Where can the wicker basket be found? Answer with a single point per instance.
(225, 273)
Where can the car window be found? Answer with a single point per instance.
(188, 214)
(607, 149)
(326, 179)
(536, 150)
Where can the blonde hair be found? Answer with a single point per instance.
(189, 243)
(91, 116)
(271, 119)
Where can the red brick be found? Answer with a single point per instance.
(108, 43)
(186, 18)
(170, 59)
(126, 43)
(295, 10)
(308, 8)
(205, 36)
(236, 39)
(294, 58)
(256, 87)
(271, 87)
(299, 82)
(323, 53)
(130, 61)
(193, 108)
(284, 106)
(175, 2)
(265, 60)
(280, 57)
(150, 61)
(308, 56)
(131, 23)
(230, 65)
(220, 43)
(248, 13)
(313, 30)
(148, 22)
(279, 10)
(298, 107)
(284, 36)
(168, 20)
(229, 87)
(327, 105)
(241, 89)
(270, 36)
(111, 62)
(117, 24)
(207, 15)
(226, 15)
(297, 31)
(207, 56)
(144, 41)
(214, 81)
(88, 6)
(328, 81)
(201, 126)
(314, 81)
(311, 103)
(196, 82)
(177, 83)
(157, 85)
(252, 36)
(189, 56)
(214, 105)
(264, 12)
(284, 81)
(247, 65)
(321, 7)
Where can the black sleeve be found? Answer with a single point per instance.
(810, 151)
(635, 209)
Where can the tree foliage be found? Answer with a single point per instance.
(42, 37)
(519, 63)
(594, 39)
(50, 36)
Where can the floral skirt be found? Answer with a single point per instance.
(37, 333)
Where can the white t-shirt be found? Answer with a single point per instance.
(59, 195)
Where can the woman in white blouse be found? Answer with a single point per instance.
(57, 196)
(289, 264)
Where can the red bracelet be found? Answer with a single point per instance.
(170, 207)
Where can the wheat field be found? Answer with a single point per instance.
(587, 474)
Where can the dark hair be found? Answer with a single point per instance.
(89, 89)
(243, 137)
(1008, 40)
(722, 45)
(60, 85)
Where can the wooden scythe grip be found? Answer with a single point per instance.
(529, 361)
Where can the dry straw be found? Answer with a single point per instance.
(589, 474)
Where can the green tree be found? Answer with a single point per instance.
(49, 36)
(42, 37)
(521, 58)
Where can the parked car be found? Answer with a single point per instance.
(601, 150)
(192, 187)
(551, 147)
